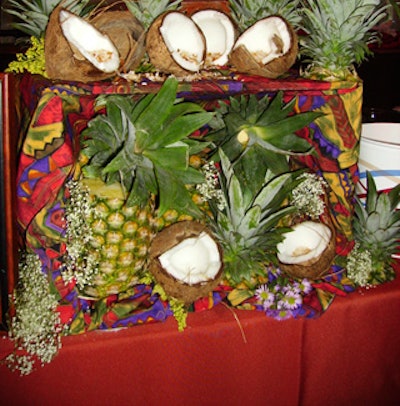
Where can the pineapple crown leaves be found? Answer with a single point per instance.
(246, 12)
(338, 33)
(261, 132)
(247, 226)
(143, 145)
(146, 11)
(377, 223)
(33, 15)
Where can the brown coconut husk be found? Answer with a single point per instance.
(317, 267)
(126, 32)
(243, 61)
(63, 62)
(167, 239)
(158, 52)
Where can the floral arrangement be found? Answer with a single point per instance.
(189, 204)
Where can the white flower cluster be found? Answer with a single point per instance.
(79, 264)
(359, 265)
(209, 189)
(36, 327)
(307, 196)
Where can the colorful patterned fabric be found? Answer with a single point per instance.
(58, 112)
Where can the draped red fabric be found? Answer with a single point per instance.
(350, 355)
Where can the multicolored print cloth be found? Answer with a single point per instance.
(55, 114)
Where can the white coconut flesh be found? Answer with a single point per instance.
(96, 47)
(266, 40)
(194, 260)
(307, 240)
(219, 33)
(183, 40)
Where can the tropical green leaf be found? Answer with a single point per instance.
(182, 127)
(373, 222)
(250, 222)
(372, 194)
(173, 157)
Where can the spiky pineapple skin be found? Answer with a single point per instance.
(121, 238)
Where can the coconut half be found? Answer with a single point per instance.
(186, 261)
(175, 44)
(268, 48)
(96, 47)
(307, 250)
(127, 34)
(219, 33)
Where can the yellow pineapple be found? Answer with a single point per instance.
(135, 165)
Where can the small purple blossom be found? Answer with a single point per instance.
(279, 314)
(305, 286)
(291, 300)
(265, 296)
(282, 297)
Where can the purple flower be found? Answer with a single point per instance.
(305, 286)
(279, 314)
(265, 296)
(291, 301)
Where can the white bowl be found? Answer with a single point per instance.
(380, 155)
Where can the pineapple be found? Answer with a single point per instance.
(338, 33)
(247, 12)
(33, 15)
(135, 162)
(146, 11)
(377, 230)
(247, 226)
(262, 131)
(255, 138)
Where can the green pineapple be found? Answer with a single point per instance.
(135, 162)
(33, 15)
(255, 138)
(247, 12)
(377, 229)
(338, 35)
(146, 11)
(247, 227)
(261, 131)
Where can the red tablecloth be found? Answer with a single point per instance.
(349, 356)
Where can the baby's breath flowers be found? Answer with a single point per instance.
(282, 298)
(79, 264)
(307, 195)
(359, 266)
(209, 190)
(36, 327)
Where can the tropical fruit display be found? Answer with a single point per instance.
(135, 154)
(254, 37)
(194, 202)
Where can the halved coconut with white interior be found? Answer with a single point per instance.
(307, 251)
(76, 50)
(175, 44)
(186, 261)
(220, 35)
(268, 48)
